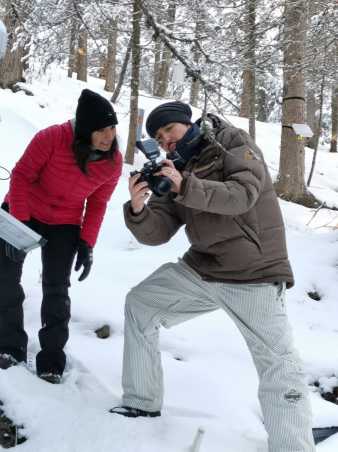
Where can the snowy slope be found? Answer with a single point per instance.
(209, 376)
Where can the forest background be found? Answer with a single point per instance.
(266, 60)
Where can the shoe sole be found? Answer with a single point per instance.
(53, 379)
(140, 413)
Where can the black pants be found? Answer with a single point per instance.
(57, 260)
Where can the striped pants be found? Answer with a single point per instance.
(175, 293)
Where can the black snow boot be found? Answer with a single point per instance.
(50, 377)
(133, 412)
(7, 361)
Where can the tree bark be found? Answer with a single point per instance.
(122, 73)
(248, 98)
(82, 56)
(163, 78)
(194, 92)
(318, 131)
(334, 119)
(311, 119)
(290, 183)
(12, 67)
(72, 46)
(103, 66)
(262, 114)
(334, 107)
(111, 57)
(135, 81)
(157, 63)
(195, 83)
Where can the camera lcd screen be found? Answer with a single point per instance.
(149, 148)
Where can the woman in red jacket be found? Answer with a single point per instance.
(60, 188)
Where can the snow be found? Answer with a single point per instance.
(210, 379)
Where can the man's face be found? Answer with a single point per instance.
(168, 135)
(103, 139)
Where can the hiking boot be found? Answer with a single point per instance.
(133, 412)
(55, 379)
(7, 361)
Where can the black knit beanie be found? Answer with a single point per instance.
(164, 114)
(93, 112)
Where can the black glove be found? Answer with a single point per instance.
(84, 258)
(13, 253)
(5, 206)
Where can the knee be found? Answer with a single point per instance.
(55, 302)
(131, 305)
(55, 290)
(138, 312)
(11, 296)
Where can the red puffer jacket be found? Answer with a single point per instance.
(47, 184)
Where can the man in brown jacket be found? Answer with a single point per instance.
(222, 193)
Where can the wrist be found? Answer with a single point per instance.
(136, 211)
(136, 208)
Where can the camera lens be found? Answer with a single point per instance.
(161, 185)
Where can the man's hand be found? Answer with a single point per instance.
(171, 172)
(139, 192)
(84, 258)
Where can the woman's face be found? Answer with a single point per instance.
(103, 139)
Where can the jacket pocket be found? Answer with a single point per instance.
(249, 232)
(212, 170)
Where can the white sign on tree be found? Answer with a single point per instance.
(302, 130)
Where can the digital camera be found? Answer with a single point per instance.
(159, 185)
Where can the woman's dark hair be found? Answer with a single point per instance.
(82, 152)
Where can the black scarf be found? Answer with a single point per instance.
(187, 147)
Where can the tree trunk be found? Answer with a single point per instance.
(195, 83)
(82, 56)
(334, 118)
(311, 119)
(334, 108)
(103, 66)
(157, 65)
(111, 57)
(318, 131)
(262, 111)
(163, 78)
(72, 46)
(122, 73)
(12, 67)
(290, 183)
(135, 81)
(194, 92)
(248, 98)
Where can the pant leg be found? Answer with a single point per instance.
(13, 338)
(259, 312)
(57, 260)
(171, 295)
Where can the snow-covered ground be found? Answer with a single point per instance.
(210, 379)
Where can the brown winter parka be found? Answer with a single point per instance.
(230, 211)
